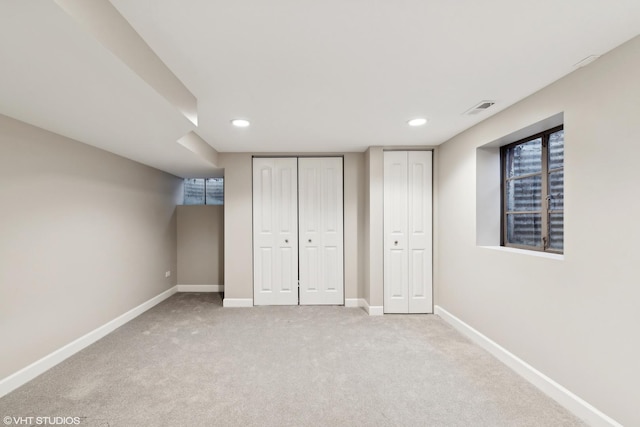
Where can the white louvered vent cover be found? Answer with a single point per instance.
(479, 107)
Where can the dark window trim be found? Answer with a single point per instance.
(544, 206)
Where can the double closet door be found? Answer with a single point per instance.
(408, 232)
(298, 231)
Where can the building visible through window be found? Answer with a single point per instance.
(204, 191)
(533, 192)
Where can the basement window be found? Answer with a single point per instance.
(204, 191)
(532, 193)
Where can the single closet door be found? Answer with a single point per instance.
(321, 231)
(275, 231)
(408, 232)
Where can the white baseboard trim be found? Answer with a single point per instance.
(237, 302)
(38, 367)
(354, 302)
(564, 397)
(373, 310)
(200, 288)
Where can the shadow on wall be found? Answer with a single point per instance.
(200, 239)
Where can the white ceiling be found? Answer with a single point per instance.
(312, 76)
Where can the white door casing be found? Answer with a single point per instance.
(408, 232)
(321, 231)
(275, 231)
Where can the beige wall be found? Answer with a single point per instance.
(85, 236)
(200, 245)
(373, 222)
(576, 320)
(238, 214)
(366, 223)
(353, 224)
(238, 241)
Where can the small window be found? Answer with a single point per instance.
(204, 191)
(533, 192)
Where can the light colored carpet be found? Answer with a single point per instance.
(189, 362)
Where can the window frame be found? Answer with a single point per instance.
(204, 201)
(544, 196)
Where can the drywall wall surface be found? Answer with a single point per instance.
(238, 211)
(85, 237)
(375, 230)
(366, 241)
(238, 229)
(574, 319)
(200, 245)
(353, 169)
(434, 225)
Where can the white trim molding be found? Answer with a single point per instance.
(38, 367)
(548, 255)
(237, 302)
(373, 310)
(557, 392)
(200, 288)
(354, 302)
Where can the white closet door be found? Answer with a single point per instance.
(420, 231)
(321, 231)
(407, 232)
(396, 263)
(275, 231)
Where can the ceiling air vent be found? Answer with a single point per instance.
(479, 108)
(586, 61)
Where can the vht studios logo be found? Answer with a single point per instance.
(41, 421)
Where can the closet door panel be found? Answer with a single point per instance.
(396, 284)
(321, 231)
(275, 231)
(420, 231)
(408, 232)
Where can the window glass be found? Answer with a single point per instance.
(215, 191)
(201, 191)
(524, 159)
(556, 190)
(533, 192)
(523, 194)
(556, 150)
(556, 231)
(524, 229)
(194, 191)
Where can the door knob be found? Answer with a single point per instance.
(309, 240)
(286, 240)
(395, 243)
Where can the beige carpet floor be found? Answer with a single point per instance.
(189, 362)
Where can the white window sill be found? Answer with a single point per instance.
(548, 255)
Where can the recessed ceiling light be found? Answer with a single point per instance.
(241, 123)
(418, 121)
